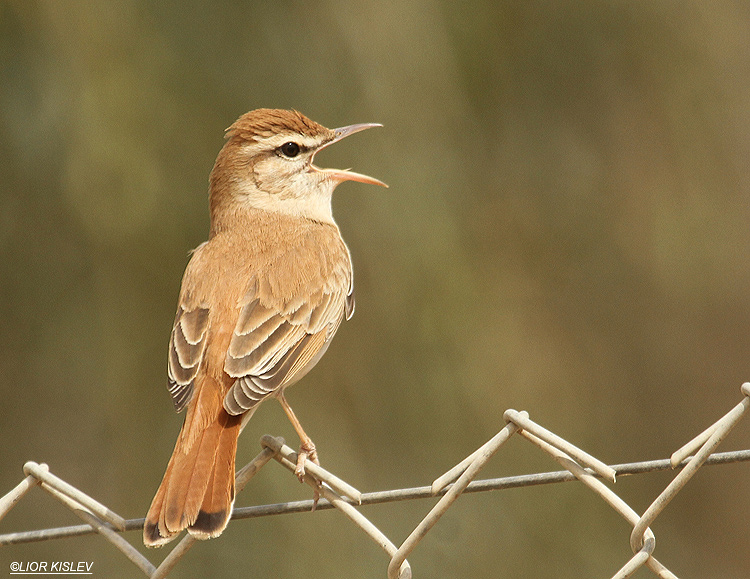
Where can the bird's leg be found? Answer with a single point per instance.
(307, 447)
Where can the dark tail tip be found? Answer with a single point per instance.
(152, 537)
(209, 525)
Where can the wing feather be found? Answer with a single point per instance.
(187, 344)
(193, 324)
(265, 361)
(252, 317)
(243, 345)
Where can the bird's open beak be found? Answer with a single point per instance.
(340, 175)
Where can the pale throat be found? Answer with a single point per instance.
(297, 199)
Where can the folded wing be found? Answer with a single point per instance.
(274, 346)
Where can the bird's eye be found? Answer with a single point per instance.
(290, 149)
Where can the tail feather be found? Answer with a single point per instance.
(189, 482)
(197, 491)
(218, 498)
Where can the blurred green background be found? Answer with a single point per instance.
(566, 232)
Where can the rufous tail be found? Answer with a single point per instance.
(197, 492)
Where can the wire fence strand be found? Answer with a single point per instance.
(336, 493)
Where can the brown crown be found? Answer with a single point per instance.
(266, 122)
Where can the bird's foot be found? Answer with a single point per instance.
(307, 452)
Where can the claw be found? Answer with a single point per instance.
(316, 498)
(306, 451)
(300, 468)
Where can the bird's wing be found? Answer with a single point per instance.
(187, 345)
(275, 345)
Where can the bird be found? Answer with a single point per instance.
(260, 301)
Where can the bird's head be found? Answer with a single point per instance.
(267, 163)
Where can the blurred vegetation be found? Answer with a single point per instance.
(566, 232)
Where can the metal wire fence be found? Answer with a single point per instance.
(338, 494)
